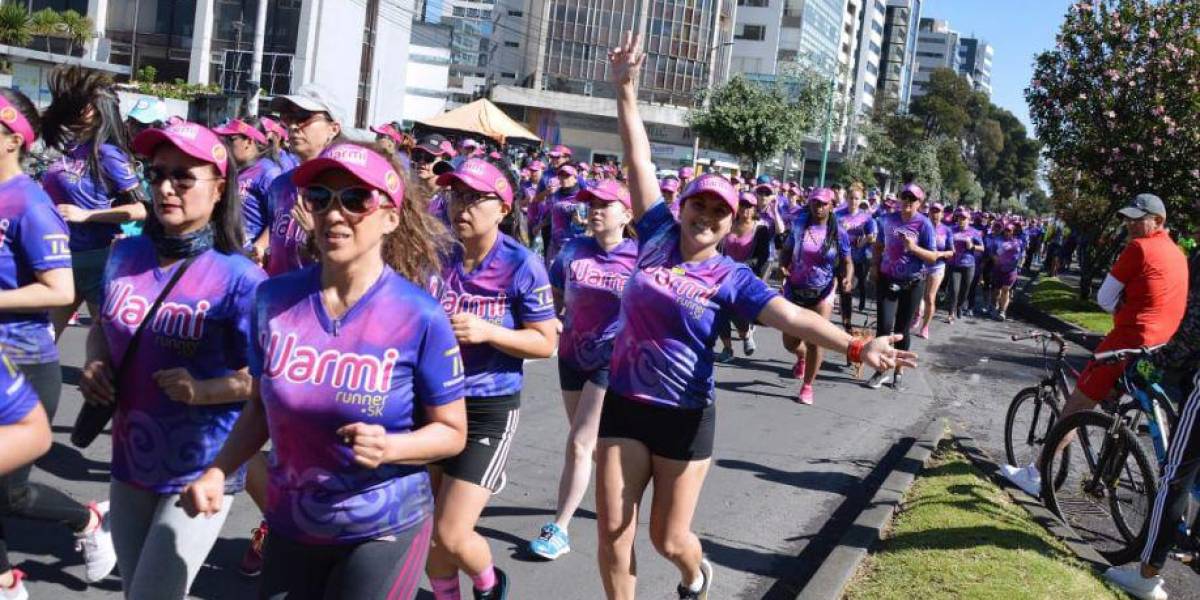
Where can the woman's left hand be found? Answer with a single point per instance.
(881, 354)
(368, 442)
(180, 386)
(302, 217)
(72, 214)
(470, 329)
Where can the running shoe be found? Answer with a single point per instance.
(879, 379)
(806, 394)
(748, 345)
(724, 356)
(99, 557)
(924, 333)
(252, 560)
(1002, 317)
(1129, 578)
(1027, 478)
(798, 369)
(706, 571)
(897, 380)
(551, 543)
(498, 591)
(17, 590)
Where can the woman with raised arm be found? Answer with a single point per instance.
(658, 418)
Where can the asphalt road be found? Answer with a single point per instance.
(786, 478)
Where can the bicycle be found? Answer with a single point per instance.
(1034, 410)
(1111, 482)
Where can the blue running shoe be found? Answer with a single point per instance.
(551, 543)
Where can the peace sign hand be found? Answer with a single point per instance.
(625, 61)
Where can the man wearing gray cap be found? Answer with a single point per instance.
(1146, 291)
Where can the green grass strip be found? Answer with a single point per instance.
(959, 536)
(1052, 296)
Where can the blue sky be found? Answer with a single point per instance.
(1017, 29)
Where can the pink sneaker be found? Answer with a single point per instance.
(924, 333)
(806, 394)
(798, 369)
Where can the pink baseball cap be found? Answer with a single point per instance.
(14, 120)
(568, 170)
(389, 130)
(936, 206)
(560, 150)
(822, 195)
(240, 127)
(368, 166)
(481, 176)
(608, 190)
(914, 190)
(715, 184)
(748, 198)
(273, 126)
(537, 165)
(193, 139)
(687, 172)
(764, 186)
(669, 184)
(468, 143)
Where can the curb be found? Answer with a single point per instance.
(839, 567)
(1042, 516)
(1022, 308)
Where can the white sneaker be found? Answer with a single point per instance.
(99, 557)
(879, 379)
(1129, 578)
(1027, 478)
(17, 591)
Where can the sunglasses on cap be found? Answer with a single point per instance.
(181, 179)
(355, 201)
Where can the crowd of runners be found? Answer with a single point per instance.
(339, 329)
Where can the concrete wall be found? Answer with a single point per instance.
(329, 48)
(388, 79)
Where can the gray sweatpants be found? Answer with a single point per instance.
(159, 548)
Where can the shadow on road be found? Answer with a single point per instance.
(821, 481)
(68, 463)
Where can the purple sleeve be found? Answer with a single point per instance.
(532, 288)
(257, 316)
(242, 350)
(748, 294)
(926, 239)
(17, 398)
(438, 377)
(870, 227)
(117, 169)
(654, 220)
(43, 237)
(843, 242)
(558, 270)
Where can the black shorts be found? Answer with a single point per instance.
(491, 425)
(572, 379)
(678, 434)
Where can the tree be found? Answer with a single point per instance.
(76, 28)
(47, 24)
(756, 121)
(1117, 100)
(14, 25)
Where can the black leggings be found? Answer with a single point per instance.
(388, 569)
(958, 286)
(896, 308)
(862, 271)
(18, 496)
(1178, 478)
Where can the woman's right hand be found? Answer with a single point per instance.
(97, 383)
(625, 60)
(204, 495)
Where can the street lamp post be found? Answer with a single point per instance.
(828, 129)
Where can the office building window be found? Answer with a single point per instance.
(516, 13)
(754, 3)
(751, 32)
(508, 44)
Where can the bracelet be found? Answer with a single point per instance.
(854, 352)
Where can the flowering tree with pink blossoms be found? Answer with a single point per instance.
(1118, 101)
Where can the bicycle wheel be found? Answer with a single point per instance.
(1110, 484)
(1031, 415)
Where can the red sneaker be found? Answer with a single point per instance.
(252, 560)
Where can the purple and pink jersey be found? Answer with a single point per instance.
(670, 314)
(858, 226)
(508, 288)
(813, 266)
(741, 247)
(202, 325)
(17, 397)
(317, 374)
(963, 239)
(898, 263)
(254, 183)
(563, 209)
(33, 239)
(70, 180)
(1008, 254)
(941, 243)
(285, 252)
(592, 281)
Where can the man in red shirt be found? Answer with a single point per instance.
(1147, 293)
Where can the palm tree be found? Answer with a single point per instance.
(76, 28)
(14, 25)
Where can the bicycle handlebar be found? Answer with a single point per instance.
(1034, 334)
(1112, 356)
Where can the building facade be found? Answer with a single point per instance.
(975, 63)
(937, 48)
(427, 79)
(897, 62)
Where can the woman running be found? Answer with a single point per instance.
(965, 242)
(658, 418)
(179, 381)
(856, 220)
(816, 256)
(935, 273)
(1006, 268)
(94, 183)
(749, 243)
(588, 275)
(26, 434)
(35, 277)
(258, 166)
(905, 247)
(500, 304)
(350, 505)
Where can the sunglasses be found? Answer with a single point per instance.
(181, 179)
(356, 201)
(421, 157)
(301, 118)
(467, 198)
